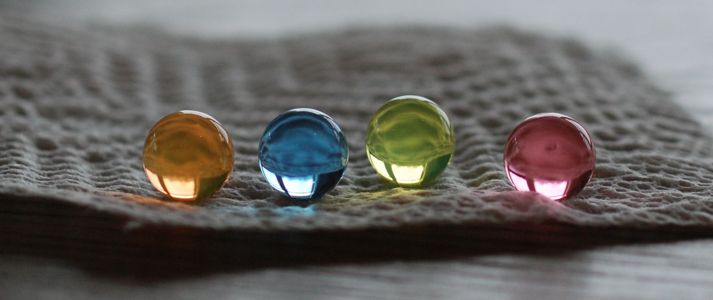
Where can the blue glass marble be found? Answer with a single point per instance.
(303, 153)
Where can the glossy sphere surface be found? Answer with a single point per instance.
(410, 141)
(303, 153)
(551, 154)
(188, 155)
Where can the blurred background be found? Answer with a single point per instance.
(671, 40)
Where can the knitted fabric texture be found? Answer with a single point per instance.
(76, 104)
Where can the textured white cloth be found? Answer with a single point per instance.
(76, 103)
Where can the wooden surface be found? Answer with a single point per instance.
(56, 252)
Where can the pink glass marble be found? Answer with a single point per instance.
(551, 154)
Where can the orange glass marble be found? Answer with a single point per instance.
(188, 155)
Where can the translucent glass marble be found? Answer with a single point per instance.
(410, 141)
(303, 153)
(188, 155)
(551, 154)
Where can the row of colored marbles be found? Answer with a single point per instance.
(303, 153)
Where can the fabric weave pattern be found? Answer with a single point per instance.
(76, 104)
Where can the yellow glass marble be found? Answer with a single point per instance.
(188, 155)
(410, 141)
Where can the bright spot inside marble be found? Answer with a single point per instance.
(303, 153)
(410, 141)
(188, 155)
(551, 154)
